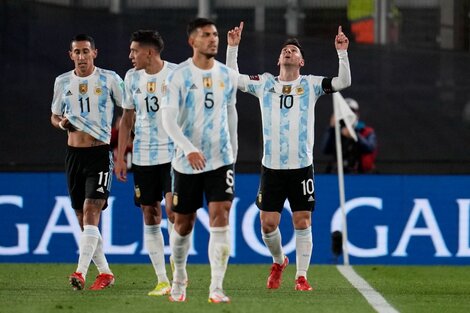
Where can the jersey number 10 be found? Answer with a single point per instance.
(286, 101)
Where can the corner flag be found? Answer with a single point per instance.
(342, 111)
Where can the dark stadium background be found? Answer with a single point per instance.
(415, 94)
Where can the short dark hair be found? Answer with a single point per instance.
(148, 37)
(196, 23)
(83, 37)
(294, 42)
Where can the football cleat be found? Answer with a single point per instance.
(274, 279)
(218, 296)
(302, 284)
(162, 288)
(77, 281)
(103, 281)
(178, 292)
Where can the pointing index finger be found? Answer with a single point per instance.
(241, 26)
(340, 29)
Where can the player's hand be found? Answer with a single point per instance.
(341, 41)
(120, 169)
(196, 160)
(332, 120)
(234, 35)
(66, 125)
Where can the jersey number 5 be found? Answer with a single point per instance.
(209, 100)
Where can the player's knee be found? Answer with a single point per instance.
(151, 212)
(268, 225)
(301, 223)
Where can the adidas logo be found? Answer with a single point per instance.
(311, 199)
(229, 190)
(100, 190)
(193, 87)
(272, 89)
(138, 91)
(69, 93)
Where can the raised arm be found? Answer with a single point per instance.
(234, 37)
(344, 73)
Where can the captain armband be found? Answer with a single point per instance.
(327, 86)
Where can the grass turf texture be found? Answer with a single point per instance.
(429, 289)
(45, 288)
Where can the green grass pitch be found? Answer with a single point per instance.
(44, 288)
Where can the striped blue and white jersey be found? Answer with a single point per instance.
(201, 98)
(144, 92)
(288, 117)
(88, 102)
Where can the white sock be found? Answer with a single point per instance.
(273, 242)
(153, 238)
(180, 249)
(219, 252)
(87, 246)
(303, 250)
(170, 230)
(170, 227)
(100, 259)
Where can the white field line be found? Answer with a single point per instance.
(374, 298)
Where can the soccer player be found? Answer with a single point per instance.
(199, 114)
(287, 103)
(152, 147)
(83, 106)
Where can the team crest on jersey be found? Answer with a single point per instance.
(151, 87)
(299, 90)
(254, 77)
(83, 88)
(207, 82)
(98, 90)
(163, 89)
(286, 89)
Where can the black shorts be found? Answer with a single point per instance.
(89, 174)
(189, 189)
(151, 183)
(276, 186)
